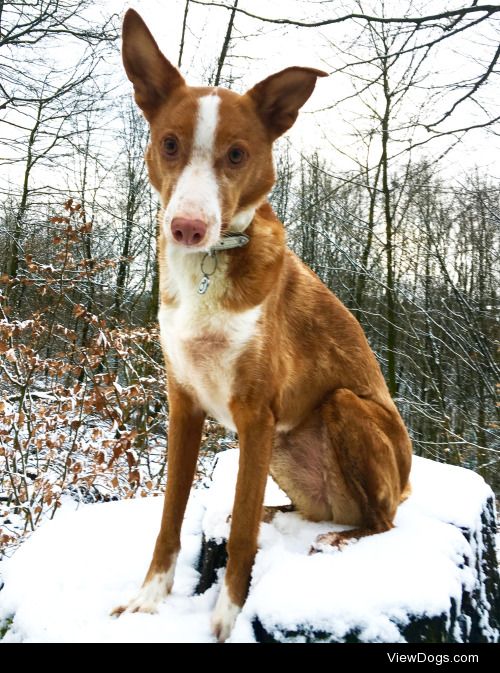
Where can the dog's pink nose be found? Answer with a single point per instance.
(189, 232)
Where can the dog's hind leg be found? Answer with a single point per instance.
(184, 437)
(370, 453)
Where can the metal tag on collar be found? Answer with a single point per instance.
(205, 281)
(203, 286)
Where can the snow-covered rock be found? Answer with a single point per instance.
(432, 578)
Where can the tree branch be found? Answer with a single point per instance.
(489, 10)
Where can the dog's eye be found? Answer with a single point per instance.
(236, 155)
(171, 147)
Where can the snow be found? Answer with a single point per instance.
(447, 492)
(366, 586)
(219, 500)
(64, 581)
(61, 585)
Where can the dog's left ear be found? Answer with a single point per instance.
(278, 98)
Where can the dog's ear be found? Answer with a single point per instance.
(278, 98)
(152, 75)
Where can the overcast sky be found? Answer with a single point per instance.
(326, 123)
(260, 49)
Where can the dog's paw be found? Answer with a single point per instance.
(224, 615)
(149, 597)
(329, 542)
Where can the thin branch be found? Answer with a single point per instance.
(183, 33)
(489, 10)
(470, 93)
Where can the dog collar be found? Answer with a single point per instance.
(230, 240)
(227, 242)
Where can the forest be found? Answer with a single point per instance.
(393, 200)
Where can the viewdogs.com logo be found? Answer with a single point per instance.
(437, 659)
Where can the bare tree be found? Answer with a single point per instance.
(225, 45)
(28, 25)
(431, 31)
(42, 98)
(134, 197)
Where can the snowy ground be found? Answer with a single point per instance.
(62, 583)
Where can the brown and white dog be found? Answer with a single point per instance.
(250, 335)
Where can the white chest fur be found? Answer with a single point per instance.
(203, 342)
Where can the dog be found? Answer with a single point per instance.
(250, 335)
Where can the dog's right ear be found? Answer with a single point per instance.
(152, 75)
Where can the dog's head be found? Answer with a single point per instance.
(210, 154)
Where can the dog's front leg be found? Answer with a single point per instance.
(184, 437)
(256, 434)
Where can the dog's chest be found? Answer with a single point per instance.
(203, 346)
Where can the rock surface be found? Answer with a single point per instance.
(433, 578)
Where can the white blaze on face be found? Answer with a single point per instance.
(196, 195)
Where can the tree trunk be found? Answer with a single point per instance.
(390, 297)
(225, 46)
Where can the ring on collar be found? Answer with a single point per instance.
(227, 242)
(210, 255)
(205, 281)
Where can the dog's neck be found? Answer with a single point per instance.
(243, 275)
